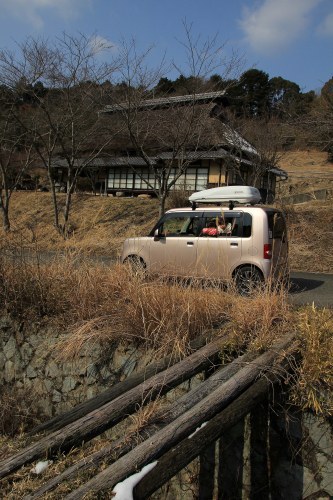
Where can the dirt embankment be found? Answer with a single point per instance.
(310, 224)
(307, 170)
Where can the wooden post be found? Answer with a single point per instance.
(230, 470)
(259, 462)
(183, 453)
(207, 472)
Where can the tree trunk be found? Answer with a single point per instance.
(161, 209)
(5, 218)
(54, 201)
(4, 205)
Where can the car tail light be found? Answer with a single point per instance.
(268, 251)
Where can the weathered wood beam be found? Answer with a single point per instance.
(154, 447)
(187, 450)
(103, 418)
(161, 418)
(112, 393)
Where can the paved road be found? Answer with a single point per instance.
(308, 288)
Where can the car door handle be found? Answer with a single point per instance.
(234, 244)
(190, 243)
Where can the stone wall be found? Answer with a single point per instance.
(29, 361)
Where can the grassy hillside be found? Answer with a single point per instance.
(100, 224)
(111, 304)
(307, 170)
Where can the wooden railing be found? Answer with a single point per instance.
(175, 435)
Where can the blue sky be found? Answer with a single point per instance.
(288, 38)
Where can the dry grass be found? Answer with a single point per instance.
(25, 482)
(17, 411)
(314, 377)
(115, 304)
(307, 170)
(166, 315)
(98, 224)
(311, 236)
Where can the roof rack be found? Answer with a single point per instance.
(227, 194)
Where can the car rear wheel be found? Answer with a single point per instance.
(136, 264)
(248, 279)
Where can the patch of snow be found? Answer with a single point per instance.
(124, 490)
(197, 430)
(41, 466)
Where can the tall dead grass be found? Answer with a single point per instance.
(310, 236)
(107, 304)
(314, 376)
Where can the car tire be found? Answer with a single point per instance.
(136, 264)
(248, 279)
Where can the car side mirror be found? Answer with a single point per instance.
(157, 235)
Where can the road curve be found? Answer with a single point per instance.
(311, 288)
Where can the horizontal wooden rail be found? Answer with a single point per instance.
(187, 450)
(103, 418)
(123, 445)
(180, 428)
(133, 380)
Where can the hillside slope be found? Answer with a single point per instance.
(99, 224)
(307, 170)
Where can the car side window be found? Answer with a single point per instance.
(247, 225)
(179, 225)
(221, 225)
(277, 225)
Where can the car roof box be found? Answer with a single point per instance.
(227, 194)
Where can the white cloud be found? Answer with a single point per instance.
(32, 11)
(326, 27)
(276, 23)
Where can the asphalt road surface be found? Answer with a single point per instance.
(306, 288)
(311, 288)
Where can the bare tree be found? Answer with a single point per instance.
(15, 155)
(168, 141)
(61, 86)
(318, 123)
